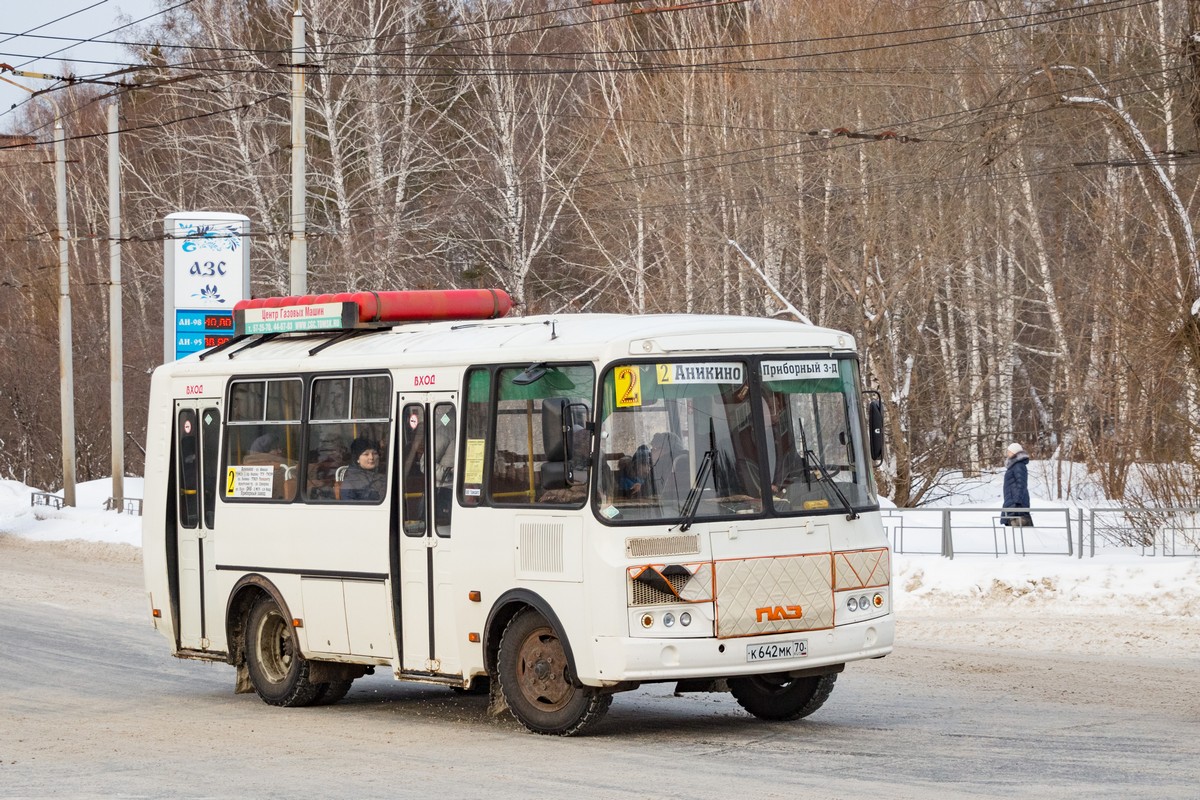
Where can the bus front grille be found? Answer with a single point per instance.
(757, 596)
(652, 546)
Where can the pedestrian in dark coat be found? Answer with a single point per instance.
(1016, 487)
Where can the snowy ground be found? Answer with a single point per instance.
(1146, 605)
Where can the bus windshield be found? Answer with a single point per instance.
(790, 444)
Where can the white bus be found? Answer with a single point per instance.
(558, 508)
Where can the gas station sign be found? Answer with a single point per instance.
(206, 270)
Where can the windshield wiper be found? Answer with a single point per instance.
(851, 514)
(692, 503)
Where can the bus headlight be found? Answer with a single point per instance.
(668, 619)
(852, 605)
(862, 602)
(685, 619)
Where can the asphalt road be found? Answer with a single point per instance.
(93, 705)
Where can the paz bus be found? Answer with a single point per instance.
(554, 509)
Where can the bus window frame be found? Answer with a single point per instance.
(305, 426)
(227, 438)
(387, 439)
(486, 497)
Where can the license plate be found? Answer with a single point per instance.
(768, 652)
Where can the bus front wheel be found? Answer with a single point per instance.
(536, 681)
(278, 672)
(779, 698)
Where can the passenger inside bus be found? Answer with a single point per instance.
(635, 474)
(669, 470)
(363, 479)
(786, 463)
(266, 450)
(323, 464)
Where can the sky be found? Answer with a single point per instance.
(1116, 582)
(67, 21)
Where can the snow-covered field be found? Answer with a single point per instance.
(1155, 600)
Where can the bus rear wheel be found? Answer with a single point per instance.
(278, 672)
(779, 698)
(332, 692)
(535, 680)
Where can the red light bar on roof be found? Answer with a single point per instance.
(366, 309)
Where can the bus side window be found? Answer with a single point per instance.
(349, 420)
(476, 416)
(537, 431)
(414, 469)
(262, 449)
(443, 466)
(189, 468)
(210, 439)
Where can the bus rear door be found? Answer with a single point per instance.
(197, 452)
(425, 472)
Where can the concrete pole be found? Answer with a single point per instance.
(298, 254)
(115, 344)
(65, 358)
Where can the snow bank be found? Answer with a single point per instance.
(87, 522)
(1107, 584)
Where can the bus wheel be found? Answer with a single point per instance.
(779, 698)
(536, 682)
(277, 670)
(332, 692)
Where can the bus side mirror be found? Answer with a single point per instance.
(566, 436)
(553, 433)
(875, 427)
(578, 432)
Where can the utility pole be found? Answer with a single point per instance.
(115, 344)
(298, 254)
(65, 357)
(66, 364)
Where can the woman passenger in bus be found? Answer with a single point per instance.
(363, 480)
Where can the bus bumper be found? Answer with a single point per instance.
(621, 658)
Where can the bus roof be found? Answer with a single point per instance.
(563, 337)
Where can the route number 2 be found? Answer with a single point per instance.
(629, 386)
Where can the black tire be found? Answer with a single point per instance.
(536, 680)
(278, 672)
(332, 692)
(778, 698)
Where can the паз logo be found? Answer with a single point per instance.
(776, 613)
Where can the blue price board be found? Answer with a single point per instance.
(199, 330)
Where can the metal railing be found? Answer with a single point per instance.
(1072, 532)
(45, 499)
(129, 505)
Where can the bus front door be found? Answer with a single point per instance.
(197, 441)
(425, 470)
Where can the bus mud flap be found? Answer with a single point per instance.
(496, 703)
(242, 684)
